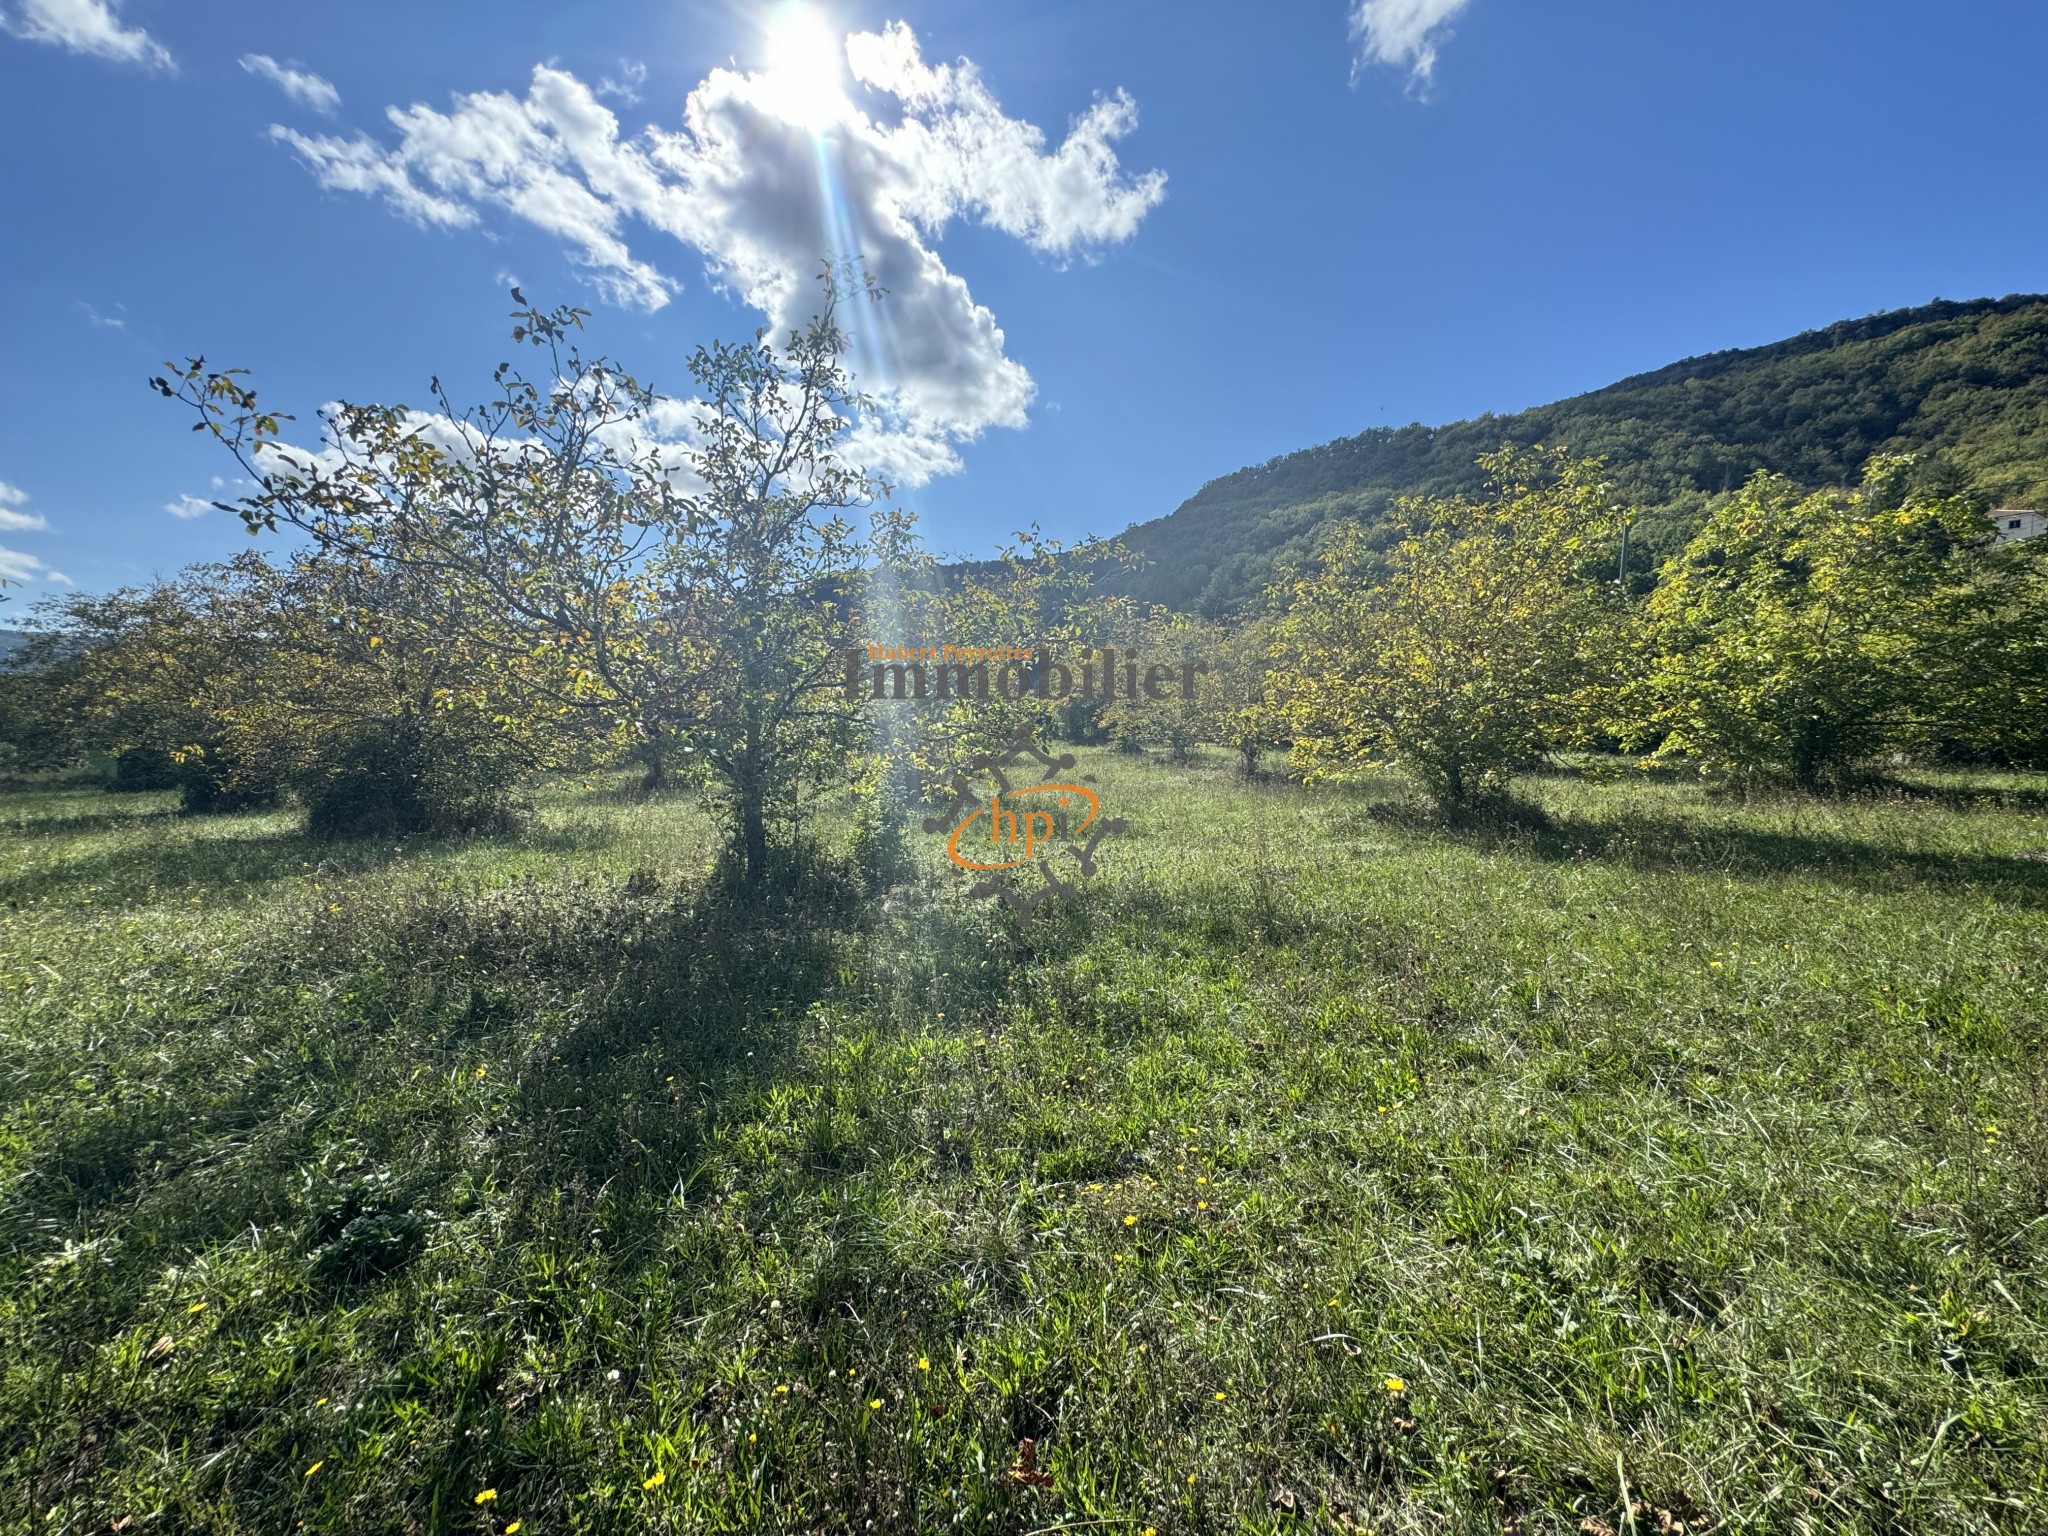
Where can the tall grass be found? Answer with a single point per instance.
(1663, 1164)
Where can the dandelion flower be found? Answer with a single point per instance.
(1130, 1221)
(1396, 1385)
(488, 1496)
(1201, 1205)
(1221, 1395)
(924, 1363)
(654, 1482)
(874, 1403)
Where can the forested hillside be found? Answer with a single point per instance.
(1967, 379)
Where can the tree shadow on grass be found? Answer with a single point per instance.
(648, 1018)
(1677, 846)
(134, 871)
(680, 1008)
(84, 823)
(1968, 797)
(227, 854)
(702, 1007)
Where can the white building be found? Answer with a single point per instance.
(2017, 523)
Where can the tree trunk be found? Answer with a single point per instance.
(753, 811)
(656, 777)
(1806, 764)
(753, 839)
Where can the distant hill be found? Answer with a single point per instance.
(1967, 379)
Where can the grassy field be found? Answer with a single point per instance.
(1681, 1164)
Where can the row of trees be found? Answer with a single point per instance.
(242, 682)
(578, 570)
(1797, 634)
(582, 570)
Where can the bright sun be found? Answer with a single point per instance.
(804, 63)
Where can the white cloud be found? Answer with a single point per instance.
(967, 157)
(85, 26)
(12, 518)
(625, 89)
(17, 567)
(303, 86)
(189, 506)
(357, 165)
(769, 173)
(1403, 33)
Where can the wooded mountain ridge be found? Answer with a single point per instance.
(1963, 382)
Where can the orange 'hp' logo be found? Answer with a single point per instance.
(1023, 826)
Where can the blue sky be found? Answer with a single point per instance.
(1132, 244)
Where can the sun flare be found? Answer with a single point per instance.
(805, 59)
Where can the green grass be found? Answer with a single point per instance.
(1650, 1151)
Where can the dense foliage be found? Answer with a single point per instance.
(1963, 385)
(1815, 633)
(1479, 649)
(680, 571)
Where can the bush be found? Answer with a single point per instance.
(213, 785)
(409, 775)
(142, 769)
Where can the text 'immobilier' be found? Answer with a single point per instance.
(1012, 672)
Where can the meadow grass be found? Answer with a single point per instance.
(1666, 1163)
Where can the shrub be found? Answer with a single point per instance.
(140, 770)
(409, 775)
